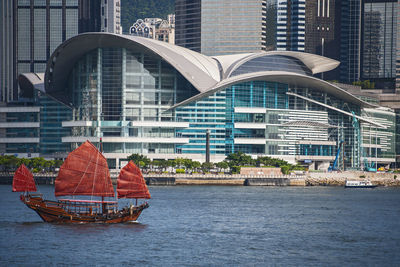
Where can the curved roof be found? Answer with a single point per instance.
(206, 74)
(31, 81)
(283, 77)
(200, 70)
(315, 63)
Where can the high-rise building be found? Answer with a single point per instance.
(295, 25)
(188, 24)
(379, 37)
(220, 27)
(32, 29)
(111, 16)
(306, 26)
(7, 54)
(398, 51)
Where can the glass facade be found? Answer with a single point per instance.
(379, 41)
(231, 26)
(350, 40)
(117, 89)
(52, 114)
(21, 136)
(220, 27)
(40, 29)
(273, 63)
(125, 96)
(188, 24)
(33, 29)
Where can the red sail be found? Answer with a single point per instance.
(131, 183)
(84, 172)
(23, 180)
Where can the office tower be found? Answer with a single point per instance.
(220, 27)
(297, 25)
(350, 38)
(398, 52)
(32, 29)
(7, 70)
(379, 37)
(285, 25)
(188, 24)
(111, 16)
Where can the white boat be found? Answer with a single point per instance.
(359, 184)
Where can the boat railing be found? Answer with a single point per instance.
(87, 206)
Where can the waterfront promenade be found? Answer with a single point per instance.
(307, 179)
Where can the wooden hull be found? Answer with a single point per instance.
(56, 212)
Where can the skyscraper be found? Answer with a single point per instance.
(350, 39)
(379, 37)
(32, 29)
(7, 69)
(111, 16)
(220, 27)
(188, 24)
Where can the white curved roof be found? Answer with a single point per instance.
(283, 77)
(200, 70)
(315, 63)
(173, 53)
(206, 74)
(35, 80)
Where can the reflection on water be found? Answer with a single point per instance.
(206, 225)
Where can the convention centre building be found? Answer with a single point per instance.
(145, 96)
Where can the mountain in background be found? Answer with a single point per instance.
(132, 10)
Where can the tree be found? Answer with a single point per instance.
(239, 159)
(132, 10)
(207, 166)
(268, 161)
(9, 163)
(179, 162)
(140, 160)
(366, 84)
(196, 165)
(223, 165)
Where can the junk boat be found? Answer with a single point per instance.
(85, 173)
(359, 184)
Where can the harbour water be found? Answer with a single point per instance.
(217, 226)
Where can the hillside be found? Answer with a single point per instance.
(132, 10)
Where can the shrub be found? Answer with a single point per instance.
(180, 170)
(285, 169)
(235, 169)
(362, 176)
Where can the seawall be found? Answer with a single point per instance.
(309, 179)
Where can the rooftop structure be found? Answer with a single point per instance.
(155, 28)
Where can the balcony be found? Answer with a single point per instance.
(19, 124)
(250, 125)
(19, 140)
(250, 141)
(122, 139)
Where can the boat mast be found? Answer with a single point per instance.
(103, 205)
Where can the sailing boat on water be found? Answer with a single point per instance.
(85, 173)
